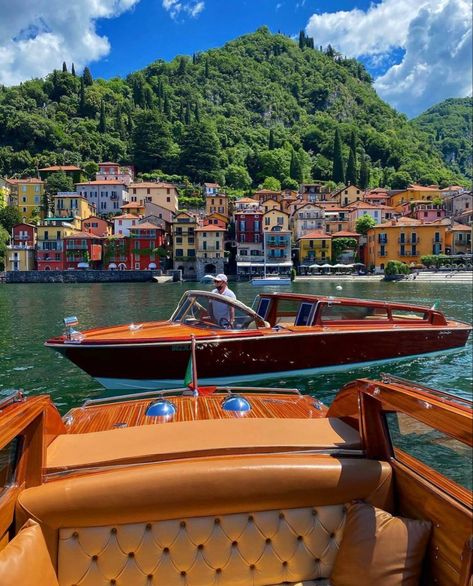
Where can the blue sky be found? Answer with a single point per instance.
(419, 51)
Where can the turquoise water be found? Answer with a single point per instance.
(29, 314)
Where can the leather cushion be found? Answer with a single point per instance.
(381, 548)
(25, 560)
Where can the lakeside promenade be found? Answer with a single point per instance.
(427, 276)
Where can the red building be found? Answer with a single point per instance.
(82, 250)
(115, 253)
(143, 240)
(23, 235)
(248, 227)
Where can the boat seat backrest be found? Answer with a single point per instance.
(227, 520)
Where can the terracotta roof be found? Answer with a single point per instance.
(210, 228)
(460, 228)
(277, 210)
(61, 168)
(380, 195)
(247, 200)
(27, 180)
(211, 185)
(150, 185)
(421, 188)
(449, 188)
(267, 191)
(80, 234)
(316, 234)
(357, 205)
(132, 205)
(108, 163)
(126, 217)
(73, 195)
(345, 234)
(104, 182)
(145, 226)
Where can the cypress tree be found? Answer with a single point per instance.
(295, 168)
(207, 68)
(73, 70)
(364, 173)
(102, 121)
(182, 66)
(64, 67)
(82, 97)
(87, 76)
(301, 39)
(197, 112)
(187, 114)
(271, 144)
(351, 175)
(167, 107)
(338, 174)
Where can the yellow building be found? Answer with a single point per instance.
(275, 217)
(405, 240)
(73, 205)
(458, 239)
(271, 204)
(217, 203)
(161, 194)
(347, 195)
(315, 247)
(27, 195)
(414, 193)
(210, 243)
(183, 232)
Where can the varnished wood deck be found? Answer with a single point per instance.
(133, 413)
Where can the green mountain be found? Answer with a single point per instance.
(261, 106)
(450, 129)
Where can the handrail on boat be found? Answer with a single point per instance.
(185, 390)
(14, 396)
(390, 378)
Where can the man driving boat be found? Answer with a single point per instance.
(222, 313)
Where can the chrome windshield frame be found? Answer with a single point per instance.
(259, 321)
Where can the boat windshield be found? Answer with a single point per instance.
(210, 310)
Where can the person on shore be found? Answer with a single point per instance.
(222, 313)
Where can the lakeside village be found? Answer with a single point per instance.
(117, 223)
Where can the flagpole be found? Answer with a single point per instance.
(195, 385)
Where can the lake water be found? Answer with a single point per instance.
(29, 314)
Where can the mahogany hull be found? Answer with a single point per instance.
(248, 356)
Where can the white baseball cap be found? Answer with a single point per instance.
(221, 277)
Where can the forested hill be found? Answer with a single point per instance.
(449, 125)
(262, 105)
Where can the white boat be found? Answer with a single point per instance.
(274, 281)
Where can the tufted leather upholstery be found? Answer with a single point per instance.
(146, 505)
(261, 548)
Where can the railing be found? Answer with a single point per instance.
(382, 240)
(209, 249)
(408, 240)
(249, 258)
(50, 245)
(437, 240)
(71, 246)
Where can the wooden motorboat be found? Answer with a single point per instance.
(238, 486)
(285, 333)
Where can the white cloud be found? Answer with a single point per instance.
(36, 36)
(177, 8)
(435, 36)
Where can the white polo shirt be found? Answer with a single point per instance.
(222, 310)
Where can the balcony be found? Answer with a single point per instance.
(382, 240)
(50, 245)
(405, 253)
(71, 246)
(209, 249)
(408, 240)
(462, 242)
(249, 258)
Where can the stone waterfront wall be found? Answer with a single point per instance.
(82, 276)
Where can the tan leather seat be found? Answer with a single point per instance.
(197, 438)
(178, 520)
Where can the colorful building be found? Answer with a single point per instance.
(21, 252)
(211, 189)
(313, 192)
(275, 218)
(82, 250)
(217, 203)
(405, 240)
(113, 171)
(336, 218)
(67, 205)
(122, 224)
(184, 243)
(277, 250)
(97, 226)
(360, 208)
(347, 195)
(107, 196)
(27, 195)
(315, 248)
(159, 193)
(307, 218)
(458, 239)
(421, 210)
(115, 253)
(145, 239)
(263, 195)
(249, 241)
(50, 254)
(414, 193)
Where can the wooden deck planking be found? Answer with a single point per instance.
(133, 413)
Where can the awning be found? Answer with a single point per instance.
(112, 265)
(340, 266)
(262, 265)
(152, 266)
(83, 265)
